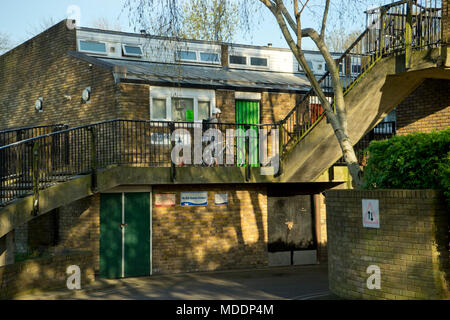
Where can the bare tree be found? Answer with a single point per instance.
(104, 24)
(42, 25)
(5, 43)
(340, 40)
(290, 20)
(215, 20)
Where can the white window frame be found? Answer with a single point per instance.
(93, 52)
(124, 45)
(178, 58)
(167, 93)
(238, 64)
(208, 62)
(260, 57)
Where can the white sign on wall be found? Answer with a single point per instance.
(221, 199)
(189, 199)
(371, 213)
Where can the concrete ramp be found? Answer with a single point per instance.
(381, 89)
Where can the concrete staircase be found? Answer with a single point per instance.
(369, 101)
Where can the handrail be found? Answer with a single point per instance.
(385, 36)
(40, 162)
(9, 136)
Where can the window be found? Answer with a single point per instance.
(204, 110)
(260, 62)
(238, 60)
(209, 57)
(134, 51)
(182, 109)
(181, 104)
(159, 109)
(92, 47)
(310, 64)
(187, 55)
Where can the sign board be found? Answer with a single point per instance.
(189, 199)
(371, 213)
(165, 199)
(221, 199)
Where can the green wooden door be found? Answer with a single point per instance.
(125, 232)
(247, 112)
(110, 235)
(137, 234)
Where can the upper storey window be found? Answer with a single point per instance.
(238, 60)
(184, 55)
(92, 47)
(133, 51)
(209, 57)
(259, 62)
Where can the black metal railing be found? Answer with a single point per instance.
(14, 135)
(383, 131)
(398, 27)
(37, 163)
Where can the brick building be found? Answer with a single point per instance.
(80, 76)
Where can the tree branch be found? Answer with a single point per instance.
(324, 20)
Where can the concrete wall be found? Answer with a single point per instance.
(411, 247)
(43, 273)
(426, 109)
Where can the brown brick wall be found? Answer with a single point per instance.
(426, 109)
(41, 67)
(79, 226)
(189, 239)
(134, 101)
(275, 106)
(225, 101)
(411, 247)
(43, 274)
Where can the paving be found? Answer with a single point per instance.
(277, 283)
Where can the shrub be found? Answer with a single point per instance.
(415, 161)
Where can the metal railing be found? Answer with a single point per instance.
(10, 136)
(395, 28)
(383, 131)
(40, 162)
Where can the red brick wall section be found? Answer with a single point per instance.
(41, 67)
(426, 109)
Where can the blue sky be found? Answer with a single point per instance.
(19, 19)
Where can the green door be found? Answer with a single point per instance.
(137, 234)
(247, 112)
(110, 235)
(125, 232)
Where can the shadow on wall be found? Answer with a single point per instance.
(411, 248)
(214, 237)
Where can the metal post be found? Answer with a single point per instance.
(35, 179)
(173, 172)
(280, 148)
(408, 35)
(382, 27)
(93, 159)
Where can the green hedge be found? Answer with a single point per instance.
(415, 161)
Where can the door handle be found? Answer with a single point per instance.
(122, 225)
